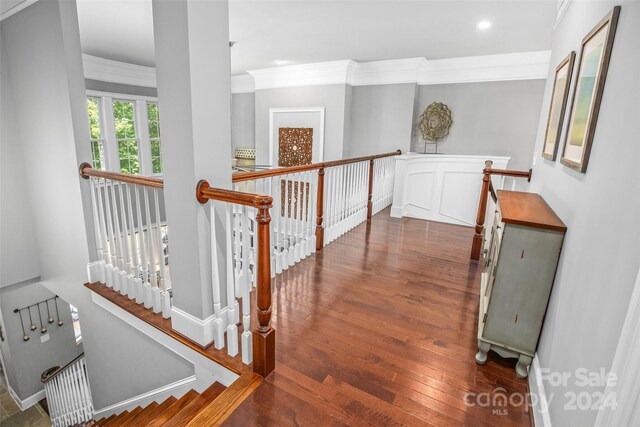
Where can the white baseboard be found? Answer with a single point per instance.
(176, 389)
(539, 400)
(27, 403)
(199, 330)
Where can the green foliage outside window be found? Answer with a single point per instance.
(154, 135)
(97, 151)
(123, 115)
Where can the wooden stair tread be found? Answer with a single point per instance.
(123, 418)
(151, 406)
(183, 417)
(150, 412)
(104, 420)
(156, 320)
(172, 410)
(220, 408)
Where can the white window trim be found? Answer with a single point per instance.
(107, 123)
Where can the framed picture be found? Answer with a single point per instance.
(558, 106)
(587, 95)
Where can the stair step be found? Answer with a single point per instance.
(150, 413)
(172, 410)
(220, 408)
(123, 418)
(104, 420)
(183, 417)
(150, 407)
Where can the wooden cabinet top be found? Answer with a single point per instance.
(529, 210)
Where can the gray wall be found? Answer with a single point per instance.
(120, 88)
(380, 119)
(26, 360)
(243, 120)
(601, 254)
(332, 97)
(18, 256)
(41, 60)
(496, 118)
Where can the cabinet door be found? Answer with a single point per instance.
(524, 274)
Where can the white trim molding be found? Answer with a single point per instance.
(27, 403)
(199, 330)
(487, 68)
(106, 70)
(625, 391)
(274, 111)
(562, 7)
(243, 83)
(320, 73)
(539, 401)
(16, 8)
(394, 71)
(159, 394)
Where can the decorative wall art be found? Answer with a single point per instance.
(295, 146)
(559, 96)
(435, 123)
(26, 313)
(589, 87)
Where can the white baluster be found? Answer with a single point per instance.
(127, 260)
(135, 282)
(96, 231)
(111, 268)
(218, 332)
(144, 261)
(151, 255)
(232, 329)
(158, 290)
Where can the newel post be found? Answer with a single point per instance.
(370, 193)
(320, 211)
(264, 336)
(476, 247)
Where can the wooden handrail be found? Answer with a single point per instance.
(487, 188)
(50, 374)
(205, 192)
(247, 176)
(264, 339)
(86, 171)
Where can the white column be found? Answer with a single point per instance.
(194, 95)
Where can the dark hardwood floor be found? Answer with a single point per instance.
(379, 328)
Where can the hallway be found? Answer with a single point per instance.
(380, 328)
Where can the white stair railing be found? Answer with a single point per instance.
(68, 393)
(130, 237)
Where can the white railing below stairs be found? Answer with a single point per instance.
(68, 393)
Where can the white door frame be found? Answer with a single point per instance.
(272, 111)
(626, 366)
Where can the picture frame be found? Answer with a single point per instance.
(595, 54)
(558, 105)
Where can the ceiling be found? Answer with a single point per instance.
(306, 31)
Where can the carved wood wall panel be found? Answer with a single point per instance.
(295, 146)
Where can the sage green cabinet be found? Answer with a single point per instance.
(520, 265)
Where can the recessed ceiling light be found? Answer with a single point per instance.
(281, 61)
(483, 25)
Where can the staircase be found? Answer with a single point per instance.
(193, 408)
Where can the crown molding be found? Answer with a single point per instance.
(561, 8)
(16, 8)
(243, 83)
(488, 68)
(421, 71)
(387, 72)
(107, 70)
(320, 73)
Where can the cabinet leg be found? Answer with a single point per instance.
(483, 349)
(522, 366)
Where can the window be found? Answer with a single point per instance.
(97, 143)
(123, 116)
(76, 323)
(153, 117)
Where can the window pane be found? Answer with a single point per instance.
(94, 118)
(157, 164)
(154, 120)
(123, 115)
(128, 152)
(97, 154)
